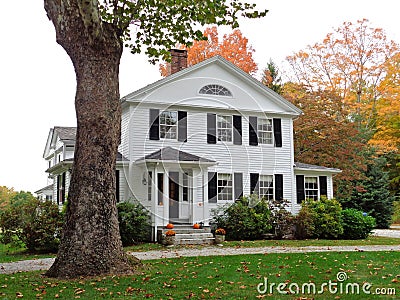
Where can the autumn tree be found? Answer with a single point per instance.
(271, 77)
(233, 47)
(5, 195)
(387, 134)
(324, 136)
(93, 34)
(350, 62)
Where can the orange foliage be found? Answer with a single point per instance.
(233, 47)
(324, 136)
(387, 135)
(350, 62)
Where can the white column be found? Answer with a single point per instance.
(166, 197)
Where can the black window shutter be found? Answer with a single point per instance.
(253, 139)
(212, 187)
(323, 186)
(278, 187)
(277, 132)
(182, 126)
(154, 124)
(211, 128)
(238, 185)
(254, 183)
(58, 190)
(117, 184)
(237, 130)
(300, 188)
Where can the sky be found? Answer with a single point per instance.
(37, 83)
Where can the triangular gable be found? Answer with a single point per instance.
(182, 89)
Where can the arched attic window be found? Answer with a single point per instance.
(215, 89)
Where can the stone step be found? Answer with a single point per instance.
(194, 235)
(205, 241)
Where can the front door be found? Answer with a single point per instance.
(173, 195)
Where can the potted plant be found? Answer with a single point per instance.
(220, 235)
(170, 237)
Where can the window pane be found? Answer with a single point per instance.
(264, 131)
(225, 191)
(224, 125)
(311, 187)
(168, 124)
(266, 187)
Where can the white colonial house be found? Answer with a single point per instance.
(199, 138)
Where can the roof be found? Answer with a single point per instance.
(134, 96)
(308, 167)
(66, 133)
(49, 187)
(172, 154)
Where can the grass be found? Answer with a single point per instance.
(9, 253)
(221, 277)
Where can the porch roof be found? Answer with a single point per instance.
(307, 167)
(169, 154)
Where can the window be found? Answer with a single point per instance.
(149, 184)
(311, 187)
(215, 89)
(225, 187)
(186, 188)
(265, 131)
(168, 124)
(266, 187)
(224, 128)
(160, 187)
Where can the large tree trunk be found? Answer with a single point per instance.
(91, 243)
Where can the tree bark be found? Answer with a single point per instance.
(91, 243)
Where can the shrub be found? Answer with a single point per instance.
(305, 223)
(282, 221)
(134, 223)
(324, 216)
(32, 223)
(244, 222)
(356, 225)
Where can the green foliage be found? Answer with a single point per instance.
(35, 224)
(246, 219)
(356, 225)
(305, 223)
(323, 218)
(157, 26)
(134, 223)
(396, 212)
(271, 77)
(372, 194)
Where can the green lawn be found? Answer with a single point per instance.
(225, 277)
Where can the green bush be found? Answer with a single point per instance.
(134, 223)
(245, 219)
(33, 223)
(305, 223)
(356, 225)
(324, 216)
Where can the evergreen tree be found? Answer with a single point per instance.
(372, 194)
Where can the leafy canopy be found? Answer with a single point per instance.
(234, 47)
(158, 25)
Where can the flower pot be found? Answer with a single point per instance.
(219, 239)
(169, 240)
